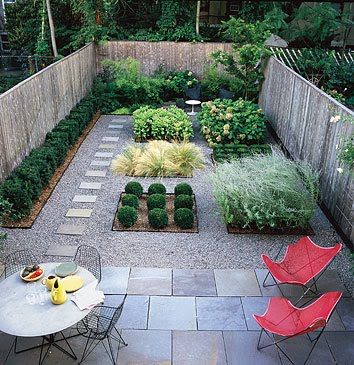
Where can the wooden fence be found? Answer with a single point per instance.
(33, 107)
(170, 55)
(300, 113)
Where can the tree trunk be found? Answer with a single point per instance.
(197, 17)
(52, 29)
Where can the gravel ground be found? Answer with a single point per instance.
(212, 247)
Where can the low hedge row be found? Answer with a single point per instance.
(231, 151)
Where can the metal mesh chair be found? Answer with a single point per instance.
(89, 258)
(98, 326)
(17, 260)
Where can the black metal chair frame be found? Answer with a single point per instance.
(97, 327)
(15, 261)
(84, 258)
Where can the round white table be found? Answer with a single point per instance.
(20, 317)
(192, 103)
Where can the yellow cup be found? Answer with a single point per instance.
(49, 281)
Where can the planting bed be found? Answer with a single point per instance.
(298, 231)
(230, 151)
(142, 224)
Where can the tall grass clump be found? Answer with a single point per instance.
(266, 191)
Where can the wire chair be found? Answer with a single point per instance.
(17, 260)
(89, 258)
(98, 326)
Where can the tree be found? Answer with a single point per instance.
(52, 30)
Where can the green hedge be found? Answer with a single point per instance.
(231, 151)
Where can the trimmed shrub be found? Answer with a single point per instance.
(127, 216)
(156, 201)
(183, 201)
(28, 173)
(134, 188)
(130, 200)
(158, 218)
(184, 218)
(183, 188)
(157, 188)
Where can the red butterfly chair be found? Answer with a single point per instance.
(302, 262)
(284, 319)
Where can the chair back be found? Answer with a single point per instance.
(89, 258)
(116, 315)
(17, 260)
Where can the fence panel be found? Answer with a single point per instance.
(300, 113)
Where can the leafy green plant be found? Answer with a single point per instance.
(178, 81)
(226, 121)
(157, 188)
(158, 218)
(266, 191)
(213, 79)
(135, 188)
(184, 218)
(127, 216)
(183, 188)
(183, 201)
(130, 200)
(156, 201)
(228, 152)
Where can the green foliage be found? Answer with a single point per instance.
(347, 152)
(178, 82)
(228, 152)
(7, 82)
(162, 124)
(183, 201)
(183, 189)
(226, 121)
(156, 201)
(5, 211)
(28, 172)
(266, 191)
(122, 111)
(127, 216)
(135, 188)
(213, 79)
(157, 188)
(184, 218)
(158, 218)
(130, 200)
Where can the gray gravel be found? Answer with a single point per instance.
(212, 247)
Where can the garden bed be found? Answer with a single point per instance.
(142, 224)
(297, 231)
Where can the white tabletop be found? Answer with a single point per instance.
(20, 317)
(193, 102)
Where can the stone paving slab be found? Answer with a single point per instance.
(110, 139)
(96, 173)
(78, 213)
(198, 348)
(172, 313)
(253, 305)
(90, 185)
(345, 309)
(150, 281)
(61, 250)
(341, 345)
(100, 163)
(114, 280)
(104, 154)
(85, 198)
(145, 348)
(115, 126)
(193, 282)
(71, 229)
(107, 146)
(220, 313)
(237, 282)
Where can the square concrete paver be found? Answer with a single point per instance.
(193, 282)
(100, 163)
(96, 173)
(71, 229)
(61, 250)
(107, 146)
(237, 282)
(198, 348)
(150, 281)
(330, 281)
(220, 313)
(90, 185)
(115, 126)
(253, 305)
(78, 213)
(114, 280)
(110, 139)
(345, 309)
(172, 313)
(145, 347)
(104, 154)
(85, 198)
(341, 345)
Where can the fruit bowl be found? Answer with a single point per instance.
(34, 275)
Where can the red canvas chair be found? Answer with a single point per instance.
(282, 318)
(303, 261)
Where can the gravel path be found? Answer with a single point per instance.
(212, 247)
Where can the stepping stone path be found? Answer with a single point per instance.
(61, 250)
(96, 173)
(90, 185)
(85, 198)
(100, 163)
(78, 213)
(104, 154)
(71, 229)
(107, 146)
(110, 139)
(115, 126)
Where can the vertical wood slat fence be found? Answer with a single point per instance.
(151, 55)
(33, 107)
(300, 113)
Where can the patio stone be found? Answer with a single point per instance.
(100, 163)
(198, 348)
(107, 146)
(172, 313)
(114, 280)
(71, 229)
(61, 250)
(96, 173)
(345, 309)
(90, 185)
(237, 282)
(104, 154)
(220, 313)
(253, 305)
(110, 139)
(150, 281)
(85, 198)
(341, 345)
(241, 349)
(193, 282)
(115, 126)
(145, 348)
(330, 281)
(78, 213)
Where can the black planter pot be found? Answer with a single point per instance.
(193, 93)
(226, 94)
